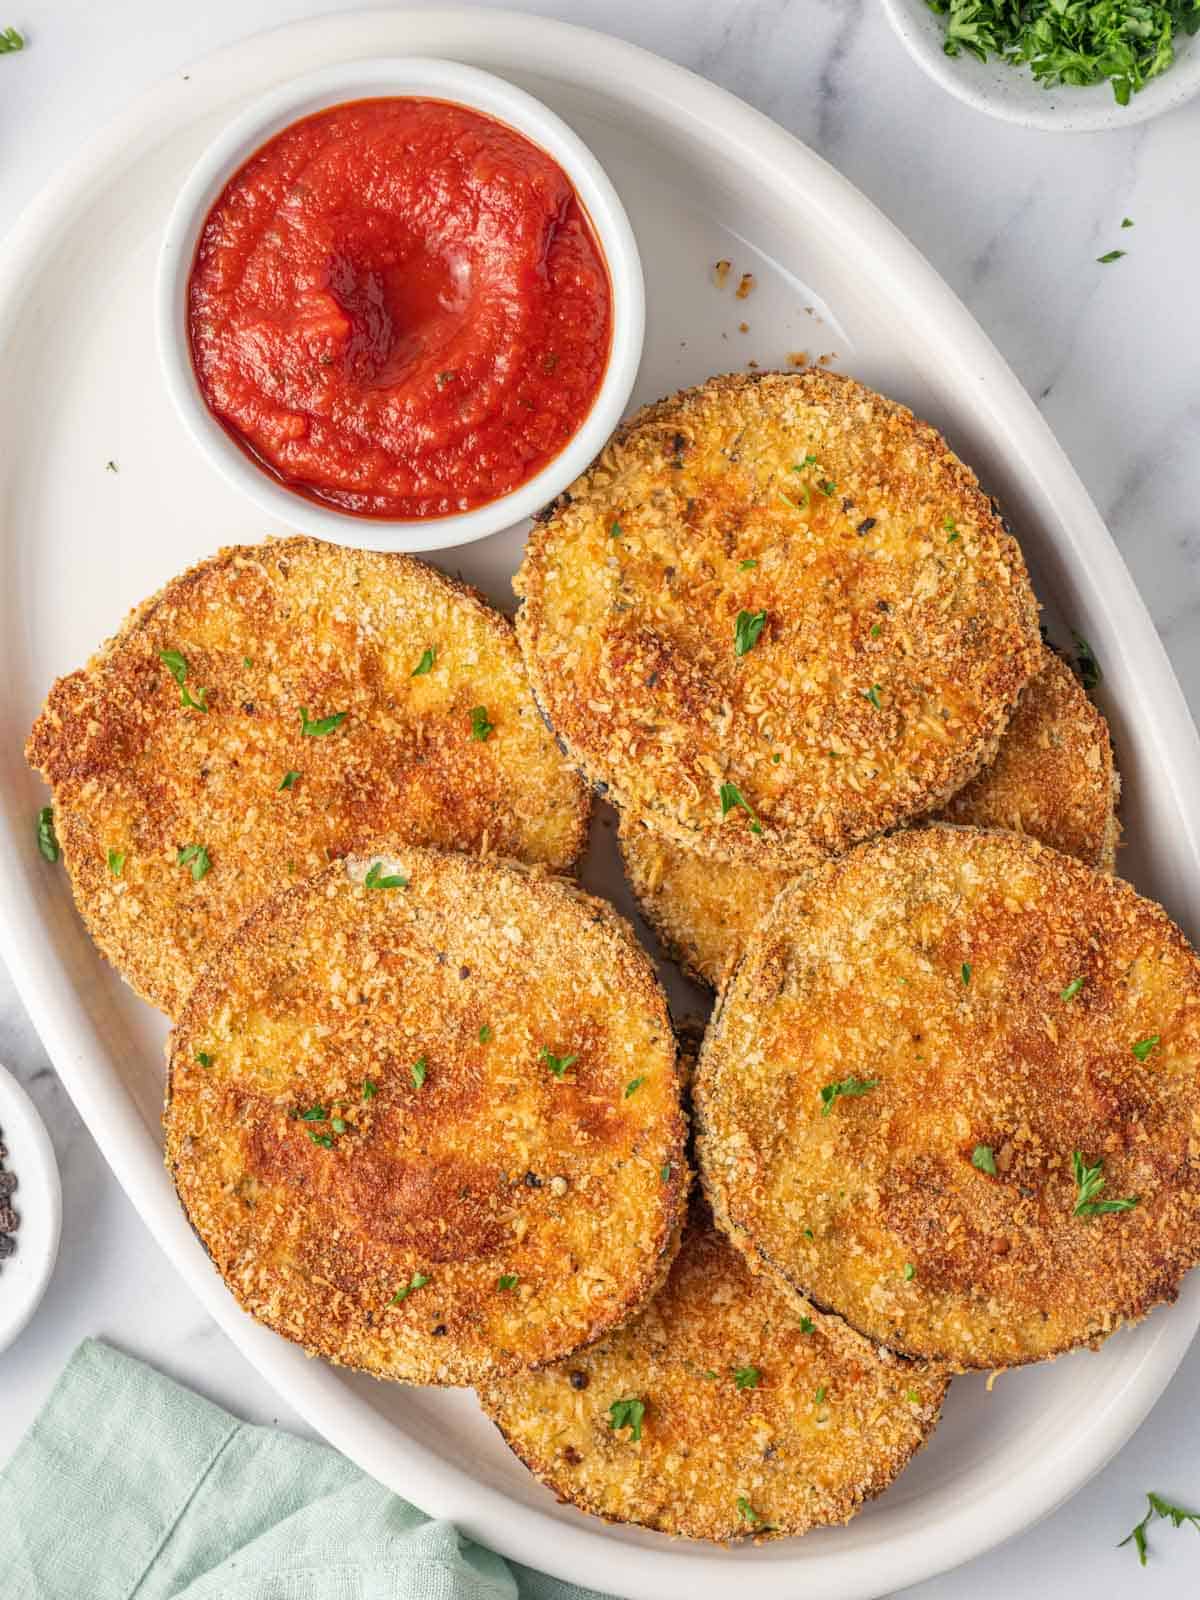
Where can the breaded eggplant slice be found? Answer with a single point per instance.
(746, 1422)
(265, 712)
(419, 1113)
(951, 1094)
(777, 616)
(1053, 778)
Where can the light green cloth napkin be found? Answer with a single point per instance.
(128, 1487)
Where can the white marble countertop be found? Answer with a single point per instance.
(1014, 220)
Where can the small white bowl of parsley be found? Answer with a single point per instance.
(1070, 66)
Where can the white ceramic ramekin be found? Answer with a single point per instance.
(37, 1200)
(433, 79)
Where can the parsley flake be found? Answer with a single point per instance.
(417, 1281)
(911, 1396)
(424, 665)
(747, 1511)
(116, 862)
(615, 531)
(325, 1140)
(176, 665)
(746, 566)
(846, 1086)
(827, 487)
(665, 1173)
(807, 1325)
(506, 1280)
(247, 663)
(1143, 1047)
(203, 1057)
(1072, 989)
(481, 728)
(289, 779)
(1088, 1182)
(1085, 665)
(557, 1064)
(966, 974)
(323, 726)
(633, 1086)
(418, 1069)
(819, 1397)
(369, 1089)
(984, 1159)
(746, 631)
(949, 525)
(195, 856)
(376, 879)
(314, 1114)
(627, 1414)
(872, 694)
(1109, 256)
(10, 41)
(910, 1272)
(486, 1035)
(809, 461)
(746, 1377)
(1158, 1507)
(732, 796)
(1127, 222)
(876, 630)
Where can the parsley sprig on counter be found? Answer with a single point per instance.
(1073, 42)
(1158, 1508)
(10, 40)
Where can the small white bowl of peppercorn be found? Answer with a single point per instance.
(1066, 66)
(30, 1208)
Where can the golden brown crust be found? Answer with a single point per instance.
(326, 629)
(822, 1422)
(490, 1167)
(993, 991)
(899, 622)
(1053, 778)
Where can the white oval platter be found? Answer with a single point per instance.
(703, 177)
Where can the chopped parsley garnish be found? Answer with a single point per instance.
(376, 879)
(966, 974)
(11, 40)
(1088, 1183)
(910, 1272)
(203, 1057)
(952, 537)
(507, 1280)
(633, 1086)
(615, 531)
(176, 665)
(911, 1396)
(872, 694)
(424, 665)
(732, 796)
(247, 663)
(324, 725)
(369, 1089)
(876, 630)
(627, 1414)
(194, 856)
(746, 1377)
(486, 1035)
(1158, 1508)
(746, 566)
(809, 461)
(480, 726)
(1072, 42)
(748, 1513)
(289, 779)
(807, 1325)
(1108, 256)
(418, 1069)
(116, 862)
(557, 1064)
(417, 1281)
(665, 1173)
(827, 487)
(1143, 1047)
(1072, 989)
(1085, 665)
(1127, 222)
(819, 1397)
(339, 1125)
(746, 631)
(315, 1114)
(846, 1086)
(949, 524)
(983, 1157)
(325, 1140)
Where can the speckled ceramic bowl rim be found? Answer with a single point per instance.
(436, 79)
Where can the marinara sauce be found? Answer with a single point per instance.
(398, 307)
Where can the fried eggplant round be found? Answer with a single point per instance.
(267, 711)
(951, 1094)
(425, 1116)
(775, 617)
(1053, 778)
(723, 1411)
